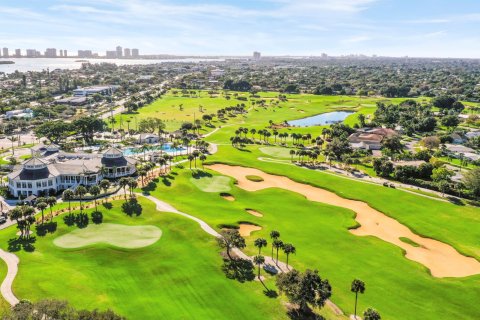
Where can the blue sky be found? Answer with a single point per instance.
(433, 28)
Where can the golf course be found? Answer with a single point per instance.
(418, 254)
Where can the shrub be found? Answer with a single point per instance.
(97, 217)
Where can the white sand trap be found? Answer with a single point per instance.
(228, 197)
(254, 213)
(246, 229)
(117, 235)
(442, 259)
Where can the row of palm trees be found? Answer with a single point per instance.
(277, 245)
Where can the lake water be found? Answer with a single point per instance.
(39, 64)
(321, 119)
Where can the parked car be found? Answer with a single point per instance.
(3, 219)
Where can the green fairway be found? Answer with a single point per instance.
(276, 152)
(116, 235)
(177, 277)
(320, 234)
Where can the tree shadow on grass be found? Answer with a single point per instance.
(17, 244)
(238, 269)
(151, 186)
(132, 207)
(297, 314)
(48, 227)
(107, 205)
(455, 201)
(200, 174)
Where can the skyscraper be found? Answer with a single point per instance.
(119, 52)
(126, 53)
(65, 52)
(51, 53)
(85, 53)
(18, 53)
(5, 53)
(61, 52)
(135, 53)
(111, 54)
(257, 55)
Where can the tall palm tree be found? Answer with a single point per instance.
(260, 243)
(190, 159)
(80, 192)
(142, 174)
(68, 196)
(144, 148)
(51, 201)
(123, 182)
(259, 260)
(104, 185)
(288, 248)
(41, 206)
(202, 158)
(95, 192)
(274, 235)
(278, 244)
(358, 286)
(132, 184)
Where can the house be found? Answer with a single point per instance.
(73, 101)
(88, 91)
(40, 176)
(148, 138)
(370, 139)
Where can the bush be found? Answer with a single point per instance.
(81, 220)
(69, 219)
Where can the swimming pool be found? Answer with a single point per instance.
(167, 148)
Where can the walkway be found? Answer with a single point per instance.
(12, 268)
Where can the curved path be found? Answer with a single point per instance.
(441, 258)
(12, 266)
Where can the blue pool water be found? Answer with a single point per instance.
(167, 148)
(321, 119)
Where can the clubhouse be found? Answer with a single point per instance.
(50, 170)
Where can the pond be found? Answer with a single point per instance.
(167, 148)
(321, 119)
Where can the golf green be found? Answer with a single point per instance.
(121, 236)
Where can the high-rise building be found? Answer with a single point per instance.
(18, 53)
(111, 54)
(65, 53)
(257, 55)
(135, 53)
(85, 53)
(51, 53)
(5, 53)
(119, 52)
(31, 53)
(61, 52)
(127, 53)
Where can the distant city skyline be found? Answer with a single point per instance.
(427, 28)
(61, 53)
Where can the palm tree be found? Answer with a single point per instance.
(190, 159)
(41, 206)
(274, 235)
(278, 244)
(68, 196)
(132, 184)
(260, 243)
(202, 158)
(123, 182)
(259, 260)
(95, 191)
(288, 248)
(105, 185)
(357, 286)
(80, 192)
(142, 174)
(144, 148)
(51, 201)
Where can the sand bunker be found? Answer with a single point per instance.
(227, 196)
(117, 235)
(246, 229)
(254, 213)
(442, 259)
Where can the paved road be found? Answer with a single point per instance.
(12, 265)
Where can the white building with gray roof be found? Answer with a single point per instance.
(60, 171)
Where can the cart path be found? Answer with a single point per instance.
(12, 268)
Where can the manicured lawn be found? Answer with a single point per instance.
(178, 277)
(399, 288)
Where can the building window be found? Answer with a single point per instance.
(18, 185)
(24, 185)
(30, 185)
(50, 183)
(39, 184)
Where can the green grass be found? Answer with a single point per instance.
(254, 178)
(178, 277)
(409, 241)
(276, 152)
(320, 234)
